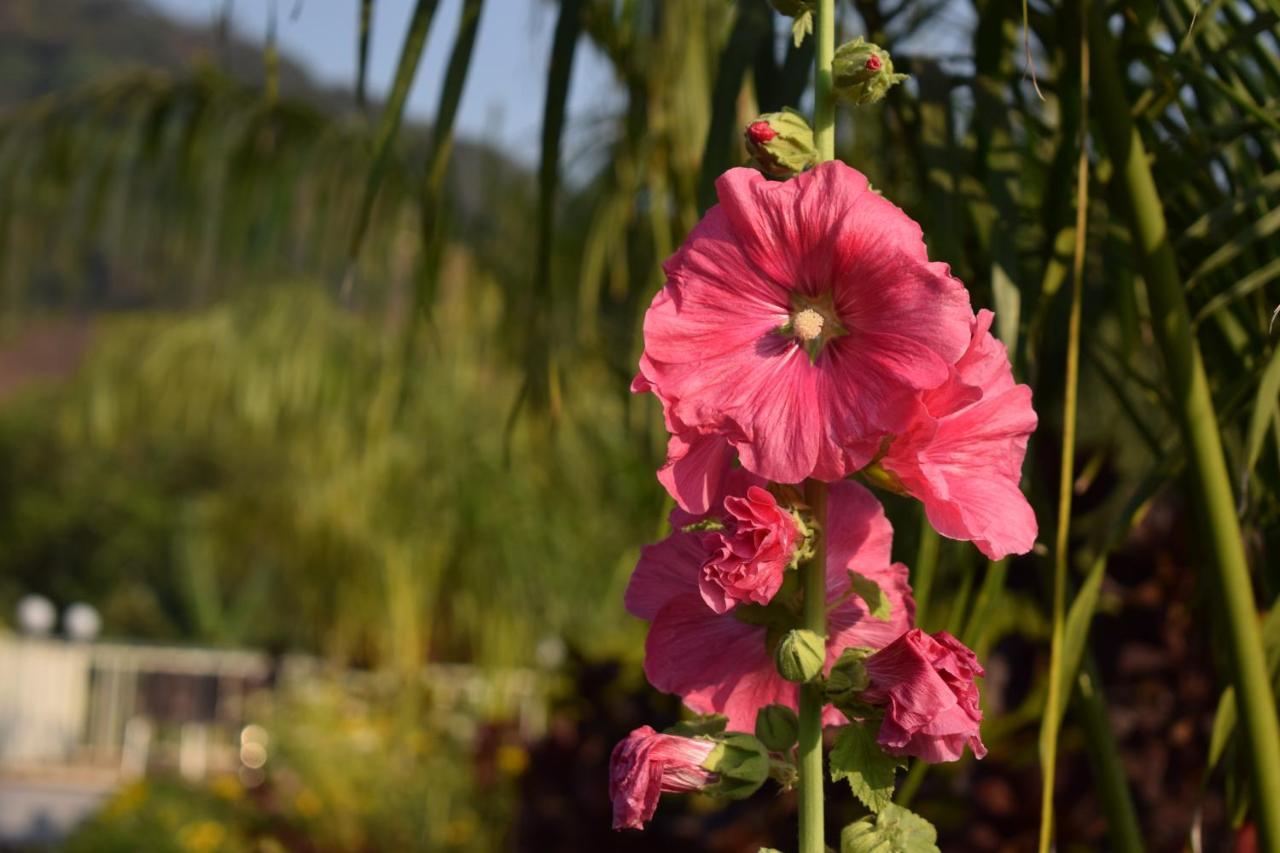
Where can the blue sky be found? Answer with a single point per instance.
(505, 89)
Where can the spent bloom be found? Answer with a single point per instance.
(799, 322)
(723, 663)
(646, 764)
(962, 453)
(927, 685)
(749, 556)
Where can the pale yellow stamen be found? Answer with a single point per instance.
(807, 325)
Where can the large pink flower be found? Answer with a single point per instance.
(750, 555)
(799, 321)
(962, 454)
(721, 663)
(928, 685)
(646, 764)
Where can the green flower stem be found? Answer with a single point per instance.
(814, 573)
(1197, 419)
(1052, 720)
(824, 106)
(813, 578)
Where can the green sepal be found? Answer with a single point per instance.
(848, 677)
(741, 762)
(777, 727)
(893, 830)
(870, 770)
(702, 725)
(709, 523)
(870, 592)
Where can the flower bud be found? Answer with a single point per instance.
(777, 727)
(848, 677)
(781, 144)
(741, 763)
(800, 655)
(862, 72)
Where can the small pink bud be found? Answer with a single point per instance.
(873, 63)
(760, 132)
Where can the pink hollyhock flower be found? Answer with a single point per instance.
(696, 460)
(962, 454)
(647, 763)
(799, 321)
(748, 558)
(928, 685)
(721, 663)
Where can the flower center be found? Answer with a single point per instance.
(807, 325)
(813, 322)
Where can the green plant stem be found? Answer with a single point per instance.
(814, 573)
(824, 106)
(1198, 422)
(809, 758)
(1052, 720)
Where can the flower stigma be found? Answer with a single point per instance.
(807, 325)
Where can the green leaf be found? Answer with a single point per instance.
(894, 830)
(857, 757)
(870, 592)
(1076, 630)
(1263, 407)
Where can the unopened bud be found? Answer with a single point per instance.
(800, 655)
(781, 144)
(848, 676)
(862, 72)
(741, 762)
(777, 727)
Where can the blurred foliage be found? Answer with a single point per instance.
(349, 766)
(234, 465)
(247, 458)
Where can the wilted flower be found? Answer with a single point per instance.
(799, 322)
(648, 763)
(723, 662)
(927, 684)
(962, 454)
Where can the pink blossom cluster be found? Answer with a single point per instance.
(803, 333)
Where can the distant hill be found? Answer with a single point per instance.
(55, 47)
(49, 46)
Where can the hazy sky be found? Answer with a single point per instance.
(505, 89)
